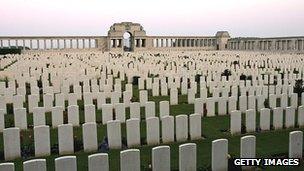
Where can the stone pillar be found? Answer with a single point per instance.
(9, 43)
(38, 44)
(31, 44)
(1, 43)
(16, 42)
(293, 44)
(90, 43)
(64, 43)
(71, 43)
(167, 42)
(58, 45)
(51, 42)
(157, 43)
(162, 42)
(44, 44)
(77, 41)
(23, 44)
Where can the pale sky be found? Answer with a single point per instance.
(260, 18)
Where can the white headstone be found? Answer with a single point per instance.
(11, 143)
(187, 157)
(66, 163)
(57, 116)
(152, 124)
(167, 129)
(181, 122)
(65, 139)
(20, 118)
(34, 165)
(265, 119)
(98, 162)
(235, 122)
(164, 108)
(250, 120)
(114, 134)
(73, 115)
(39, 116)
(295, 144)
(135, 110)
(161, 158)
(133, 132)
(107, 113)
(89, 136)
(219, 159)
(120, 112)
(7, 167)
(195, 126)
(42, 141)
(289, 117)
(278, 118)
(89, 113)
(130, 160)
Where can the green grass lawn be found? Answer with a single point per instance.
(268, 144)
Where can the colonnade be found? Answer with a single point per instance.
(294, 44)
(183, 42)
(48, 43)
(118, 43)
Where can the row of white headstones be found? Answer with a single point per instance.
(180, 128)
(130, 159)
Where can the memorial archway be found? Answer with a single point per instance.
(127, 42)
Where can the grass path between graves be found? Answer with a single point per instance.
(272, 143)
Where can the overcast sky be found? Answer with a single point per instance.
(262, 18)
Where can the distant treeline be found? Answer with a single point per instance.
(11, 50)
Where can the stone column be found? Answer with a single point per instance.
(58, 45)
(157, 43)
(38, 44)
(293, 46)
(64, 43)
(71, 43)
(16, 42)
(77, 43)
(1, 43)
(90, 43)
(9, 43)
(162, 42)
(51, 42)
(44, 44)
(31, 44)
(23, 44)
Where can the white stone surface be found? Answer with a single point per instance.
(7, 167)
(114, 134)
(20, 118)
(34, 165)
(161, 158)
(265, 119)
(130, 160)
(73, 115)
(65, 139)
(195, 124)
(219, 159)
(167, 123)
(89, 113)
(187, 157)
(57, 116)
(235, 122)
(181, 122)
(66, 163)
(278, 118)
(133, 132)
(250, 120)
(42, 141)
(152, 134)
(98, 162)
(289, 117)
(295, 144)
(89, 136)
(11, 143)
